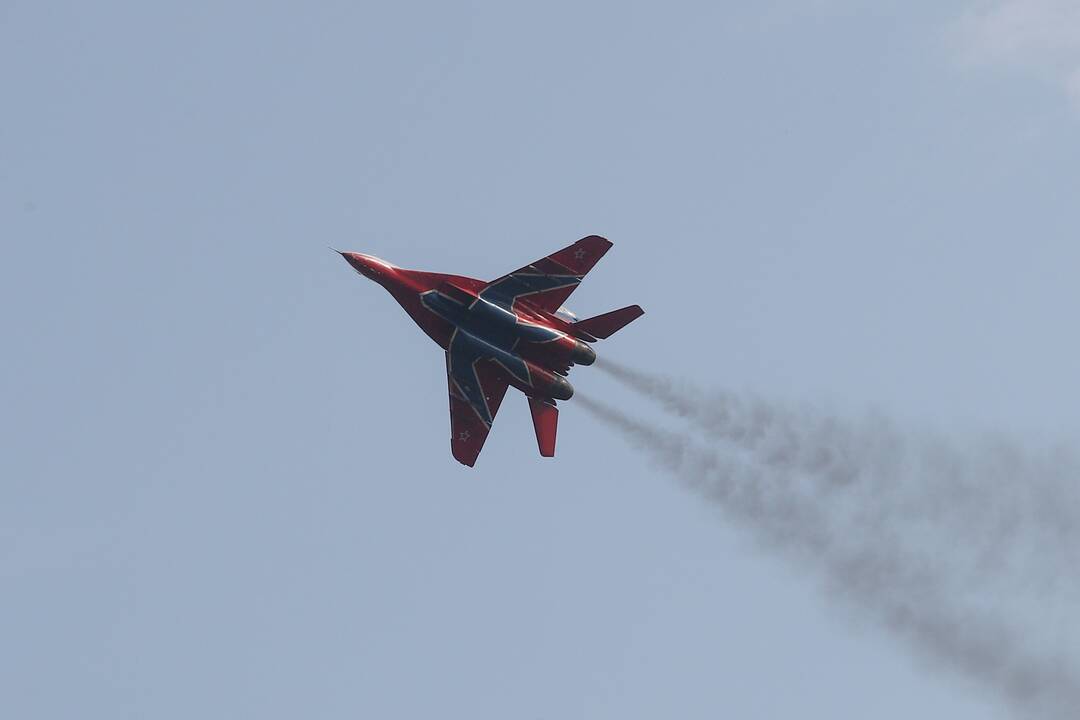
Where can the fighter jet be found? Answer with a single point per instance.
(511, 331)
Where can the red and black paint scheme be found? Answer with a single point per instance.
(511, 331)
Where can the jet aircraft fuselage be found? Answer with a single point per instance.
(509, 332)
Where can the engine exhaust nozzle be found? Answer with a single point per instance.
(561, 389)
(582, 354)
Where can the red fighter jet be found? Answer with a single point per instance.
(512, 331)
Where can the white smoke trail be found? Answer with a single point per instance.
(933, 542)
(1020, 513)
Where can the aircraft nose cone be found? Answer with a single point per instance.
(356, 260)
(368, 266)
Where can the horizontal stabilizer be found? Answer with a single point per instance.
(606, 325)
(546, 422)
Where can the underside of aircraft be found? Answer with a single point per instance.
(512, 331)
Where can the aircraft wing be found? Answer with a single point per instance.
(477, 388)
(548, 282)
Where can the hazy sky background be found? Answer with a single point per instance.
(226, 483)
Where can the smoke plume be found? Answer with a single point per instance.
(966, 550)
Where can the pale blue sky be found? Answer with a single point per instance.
(226, 483)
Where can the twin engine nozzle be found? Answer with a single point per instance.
(559, 387)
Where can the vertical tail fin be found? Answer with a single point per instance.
(606, 325)
(545, 421)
